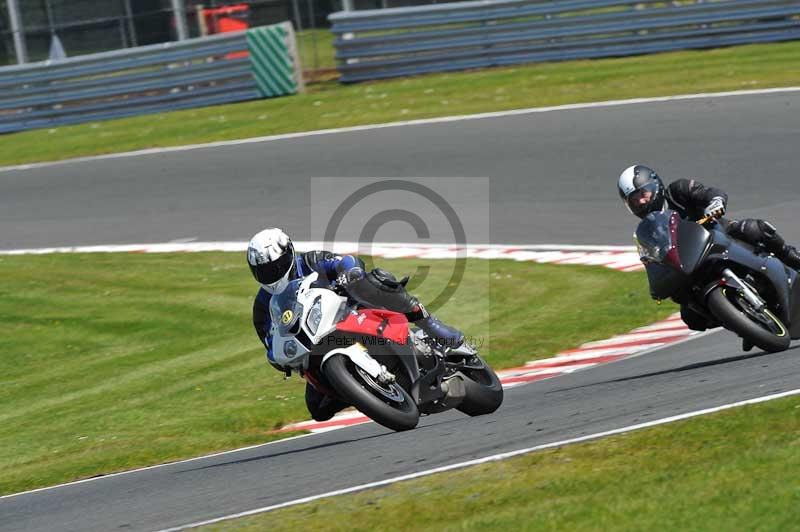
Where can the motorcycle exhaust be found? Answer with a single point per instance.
(454, 392)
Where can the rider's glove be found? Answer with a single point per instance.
(347, 276)
(716, 208)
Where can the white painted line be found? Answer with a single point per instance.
(595, 259)
(632, 337)
(526, 371)
(550, 256)
(478, 250)
(663, 325)
(488, 254)
(577, 357)
(491, 458)
(440, 254)
(524, 256)
(631, 263)
(599, 256)
(426, 121)
(595, 352)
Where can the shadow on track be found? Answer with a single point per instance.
(283, 453)
(688, 367)
(437, 425)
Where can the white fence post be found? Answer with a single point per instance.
(17, 32)
(179, 11)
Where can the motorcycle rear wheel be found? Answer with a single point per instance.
(389, 405)
(484, 392)
(734, 316)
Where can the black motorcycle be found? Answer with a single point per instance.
(740, 287)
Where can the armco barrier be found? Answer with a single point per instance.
(384, 43)
(151, 79)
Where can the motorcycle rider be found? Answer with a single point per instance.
(274, 262)
(643, 192)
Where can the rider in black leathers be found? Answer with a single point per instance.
(643, 192)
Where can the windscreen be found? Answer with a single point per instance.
(653, 236)
(284, 309)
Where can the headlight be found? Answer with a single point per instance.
(314, 316)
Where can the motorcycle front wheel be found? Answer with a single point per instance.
(387, 404)
(761, 328)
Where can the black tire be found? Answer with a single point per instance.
(399, 416)
(483, 391)
(735, 319)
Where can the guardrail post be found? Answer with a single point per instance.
(180, 19)
(131, 25)
(16, 31)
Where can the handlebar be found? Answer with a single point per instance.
(704, 221)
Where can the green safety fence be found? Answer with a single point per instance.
(274, 60)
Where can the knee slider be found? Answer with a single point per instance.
(767, 228)
(770, 235)
(747, 230)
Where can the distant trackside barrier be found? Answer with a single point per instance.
(384, 43)
(257, 63)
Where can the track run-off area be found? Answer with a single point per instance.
(552, 180)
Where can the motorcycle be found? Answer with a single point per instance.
(741, 287)
(371, 359)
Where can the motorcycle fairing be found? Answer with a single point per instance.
(794, 289)
(779, 276)
(374, 322)
(360, 357)
(693, 243)
(665, 281)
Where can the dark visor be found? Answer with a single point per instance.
(273, 271)
(634, 199)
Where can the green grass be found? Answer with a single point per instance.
(114, 361)
(316, 49)
(328, 105)
(734, 470)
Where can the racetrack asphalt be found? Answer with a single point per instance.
(706, 372)
(552, 181)
(552, 175)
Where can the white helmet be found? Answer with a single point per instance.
(642, 190)
(270, 256)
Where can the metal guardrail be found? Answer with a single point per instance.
(148, 79)
(385, 43)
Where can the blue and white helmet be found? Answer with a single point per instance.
(642, 190)
(270, 256)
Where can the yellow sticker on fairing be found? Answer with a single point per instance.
(287, 317)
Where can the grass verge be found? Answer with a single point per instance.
(729, 471)
(330, 105)
(115, 361)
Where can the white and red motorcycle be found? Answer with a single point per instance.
(369, 358)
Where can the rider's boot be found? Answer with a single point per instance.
(442, 334)
(320, 406)
(790, 256)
